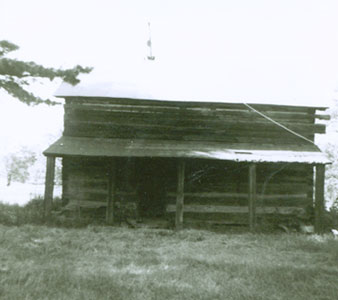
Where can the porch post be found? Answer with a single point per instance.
(319, 198)
(49, 185)
(111, 192)
(180, 195)
(252, 196)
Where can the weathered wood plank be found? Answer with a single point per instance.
(84, 112)
(49, 185)
(240, 195)
(227, 218)
(92, 196)
(209, 209)
(243, 202)
(180, 195)
(280, 141)
(222, 122)
(301, 200)
(235, 135)
(319, 198)
(183, 104)
(74, 204)
(100, 191)
(323, 117)
(200, 125)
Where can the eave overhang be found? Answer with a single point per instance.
(98, 147)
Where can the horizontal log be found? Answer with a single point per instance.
(191, 123)
(228, 176)
(236, 209)
(150, 113)
(85, 175)
(99, 190)
(85, 204)
(73, 189)
(184, 104)
(209, 219)
(120, 131)
(88, 184)
(278, 141)
(138, 113)
(271, 190)
(323, 117)
(211, 184)
(214, 218)
(92, 196)
(199, 125)
(263, 170)
(226, 221)
(243, 202)
(99, 197)
(83, 170)
(240, 195)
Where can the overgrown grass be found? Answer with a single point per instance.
(32, 213)
(38, 262)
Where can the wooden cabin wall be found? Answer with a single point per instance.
(218, 191)
(214, 191)
(85, 182)
(231, 123)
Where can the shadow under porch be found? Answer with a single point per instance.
(188, 191)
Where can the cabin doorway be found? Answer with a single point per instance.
(151, 187)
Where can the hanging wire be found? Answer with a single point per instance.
(279, 124)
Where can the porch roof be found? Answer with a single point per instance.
(81, 146)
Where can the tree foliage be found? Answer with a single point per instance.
(16, 75)
(331, 150)
(17, 165)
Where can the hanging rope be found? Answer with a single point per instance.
(279, 124)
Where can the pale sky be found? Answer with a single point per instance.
(257, 50)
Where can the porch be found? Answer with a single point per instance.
(242, 201)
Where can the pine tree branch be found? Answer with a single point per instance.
(17, 91)
(14, 74)
(21, 69)
(6, 46)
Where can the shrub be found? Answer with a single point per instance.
(31, 213)
(9, 213)
(331, 218)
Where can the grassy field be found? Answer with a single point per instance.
(38, 262)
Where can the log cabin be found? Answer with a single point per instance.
(188, 160)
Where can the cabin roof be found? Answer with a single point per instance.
(144, 92)
(99, 147)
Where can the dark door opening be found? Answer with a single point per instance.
(151, 186)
